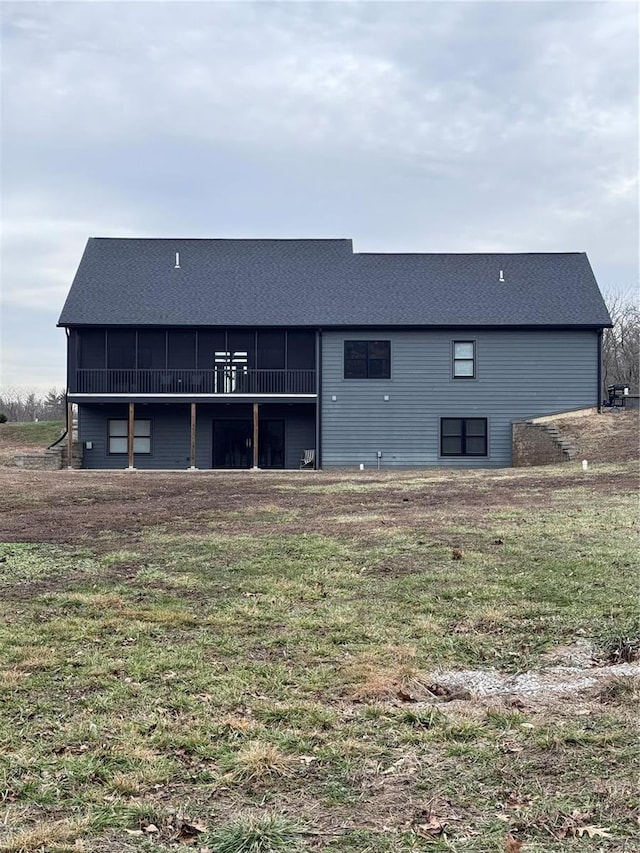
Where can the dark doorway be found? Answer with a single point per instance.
(233, 444)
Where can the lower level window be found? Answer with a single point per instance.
(463, 436)
(119, 436)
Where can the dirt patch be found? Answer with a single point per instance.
(87, 507)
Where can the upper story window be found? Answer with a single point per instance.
(367, 359)
(464, 359)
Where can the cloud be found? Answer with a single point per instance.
(41, 248)
(435, 126)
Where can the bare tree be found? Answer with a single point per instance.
(25, 404)
(54, 405)
(621, 344)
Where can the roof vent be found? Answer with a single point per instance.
(177, 266)
(501, 275)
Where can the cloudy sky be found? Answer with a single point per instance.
(421, 126)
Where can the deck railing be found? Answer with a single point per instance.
(233, 379)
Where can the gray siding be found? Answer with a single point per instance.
(169, 436)
(519, 374)
(300, 433)
(170, 427)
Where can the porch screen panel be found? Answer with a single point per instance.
(271, 351)
(239, 343)
(181, 349)
(91, 353)
(209, 343)
(121, 349)
(301, 350)
(152, 350)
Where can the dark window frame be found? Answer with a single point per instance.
(366, 360)
(463, 437)
(111, 452)
(455, 361)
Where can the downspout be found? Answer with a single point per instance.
(600, 333)
(318, 399)
(65, 432)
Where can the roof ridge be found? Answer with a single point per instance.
(459, 254)
(236, 239)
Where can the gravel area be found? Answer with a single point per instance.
(554, 680)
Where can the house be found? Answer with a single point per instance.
(186, 353)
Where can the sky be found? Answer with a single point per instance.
(407, 127)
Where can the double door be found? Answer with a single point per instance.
(233, 443)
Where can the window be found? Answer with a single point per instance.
(119, 432)
(463, 436)
(367, 360)
(464, 359)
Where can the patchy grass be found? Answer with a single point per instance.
(30, 434)
(268, 834)
(22, 437)
(256, 673)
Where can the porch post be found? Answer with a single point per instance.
(255, 435)
(193, 437)
(130, 434)
(69, 435)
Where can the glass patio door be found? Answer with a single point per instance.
(232, 444)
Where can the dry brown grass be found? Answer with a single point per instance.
(49, 836)
(257, 762)
(608, 437)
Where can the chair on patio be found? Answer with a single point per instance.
(308, 459)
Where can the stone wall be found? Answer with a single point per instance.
(52, 459)
(76, 455)
(538, 444)
(46, 461)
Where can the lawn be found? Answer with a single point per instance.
(308, 661)
(26, 437)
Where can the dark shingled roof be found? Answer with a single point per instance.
(125, 281)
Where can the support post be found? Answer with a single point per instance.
(255, 435)
(69, 435)
(193, 437)
(130, 432)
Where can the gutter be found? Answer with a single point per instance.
(66, 396)
(318, 399)
(65, 433)
(600, 389)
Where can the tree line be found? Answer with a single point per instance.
(620, 365)
(621, 344)
(24, 404)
